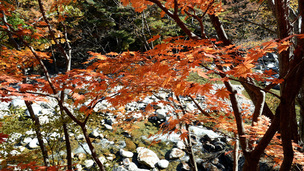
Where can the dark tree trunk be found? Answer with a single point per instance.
(35, 119)
(92, 149)
(301, 54)
(68, 146)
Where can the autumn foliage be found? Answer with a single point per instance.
(121, 78)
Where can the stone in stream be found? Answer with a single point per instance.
(163, 164)
(126, 154)
(147, 157)
(176, 153)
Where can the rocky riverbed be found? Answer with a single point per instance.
(118, 149)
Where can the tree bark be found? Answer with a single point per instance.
(220, 30)
(35, 119)
(236, 153)
(252, 160)
(300, 43)
(281, 9)
(85, 133)
(68, 146)
(92, 149)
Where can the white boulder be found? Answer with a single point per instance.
(147, 157)
(163, 164)
(126, 154)
(34, 144)
(176, 153)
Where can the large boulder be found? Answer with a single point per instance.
(147, 157)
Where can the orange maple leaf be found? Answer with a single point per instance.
(244, 68)
(154, 38)
(284, 46)
(184, 134)
(222, 93)
(200, 72)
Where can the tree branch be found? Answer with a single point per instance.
(176, 18)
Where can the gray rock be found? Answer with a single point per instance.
(14, 152)
(126, 161)
(127, 154)
(132, 167)
(161, 113)
(185, 166)
(4, 109)
(102, 159)
(215, 161)
(185, 158)
(191, 106)
(120, 168)
(209, 147)
(95, 134)
(163, 164)
(110, 157)
(147, 157)
(88, 163)
(176, 153)
(120, 144)
(34, 144)
(83, 148)
(80, 137)
(81, 156)
(108, 127)
(181, 145)
(201, 131)
(54, 136)
(78, 167)
(210, 166)
(37, 109)
(17, 103)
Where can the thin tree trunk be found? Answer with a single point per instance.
(301, 94)
(190, 152)
(285, 105)
(35, 119)
(93, 151)
(68, 146)
(286, 136)
(236, 153)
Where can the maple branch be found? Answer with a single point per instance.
(51, 31)
(266, 89)
(30, 92)
(45, 71)
(203, 35)
(67, 111)
(180, 105)
(219, 29)
(37, 127)
(260, 25)
(69, 55)
(238, 116)
(199, 107)
(265, 140)
(86, 119)
(189, 144)
(16, 45)
(176, 18)
(175, 8)
(236, 155)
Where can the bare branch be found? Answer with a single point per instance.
(176, 18)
